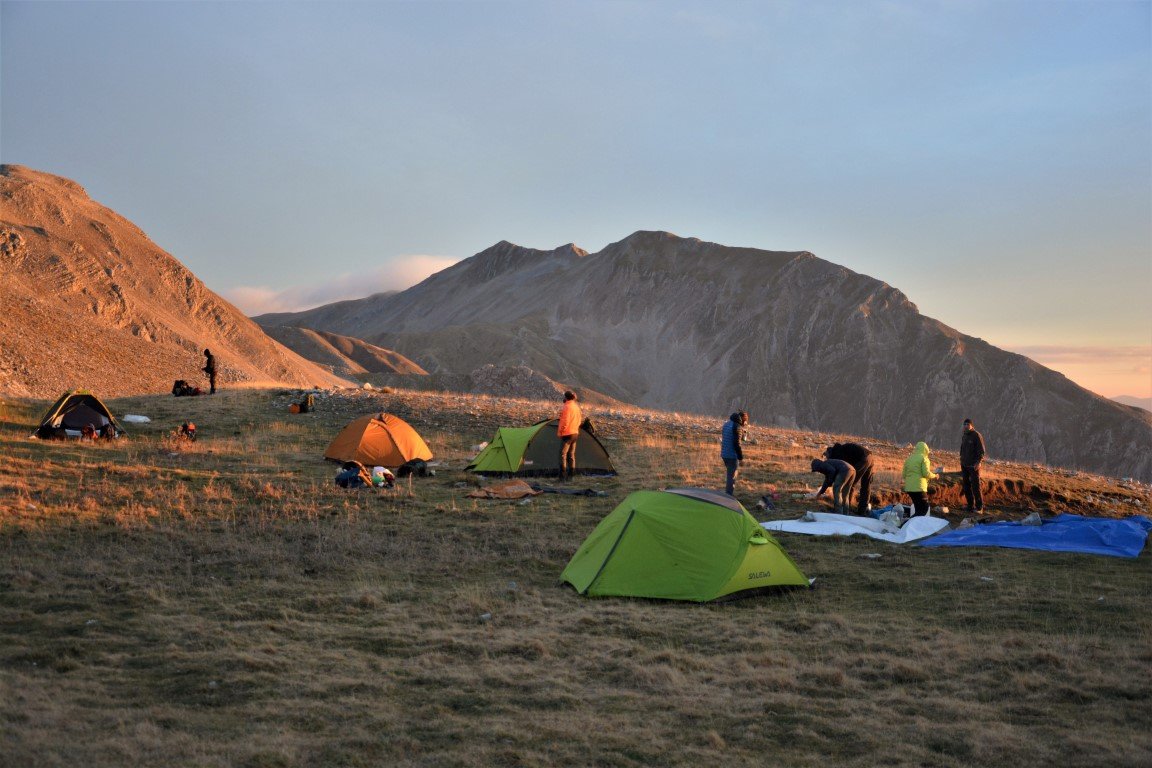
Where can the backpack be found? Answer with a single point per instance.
(181, 388)
(353, 475)
(416, 467)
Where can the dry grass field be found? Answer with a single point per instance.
(222, 603)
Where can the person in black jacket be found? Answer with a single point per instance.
(971, 454)
(210, 369)
(861, 460)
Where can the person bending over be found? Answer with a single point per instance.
(839, 476)
(861, 460)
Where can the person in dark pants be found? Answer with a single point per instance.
(839, 476)
(971, 454)
(731, 436)
(210, 369)
(861, 460)
(917, 473)
(568, 430)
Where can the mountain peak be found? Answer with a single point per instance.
(689, 325)
(506, 257)
(40, 178)
(649, 238)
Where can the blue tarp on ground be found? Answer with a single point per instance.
(1065, 533)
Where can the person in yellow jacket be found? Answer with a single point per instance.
(917, 473)
(568, 431)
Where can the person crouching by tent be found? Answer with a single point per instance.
(731, 436)
(568, 431)
(917, 473)
(839, 475)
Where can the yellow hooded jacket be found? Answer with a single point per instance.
(917, 469)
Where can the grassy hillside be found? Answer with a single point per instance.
(223, 604)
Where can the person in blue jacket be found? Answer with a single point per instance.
(731, 436)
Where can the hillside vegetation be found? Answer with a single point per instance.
(222, 603)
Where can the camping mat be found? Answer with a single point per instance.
(513, 489)
(1066, 533)
(568, 491)
(828, 524)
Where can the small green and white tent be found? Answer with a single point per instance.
(535, 450)
(680, 544)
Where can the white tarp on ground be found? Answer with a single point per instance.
(828, 524)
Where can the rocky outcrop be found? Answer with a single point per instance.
(87, 300)
(677, 323)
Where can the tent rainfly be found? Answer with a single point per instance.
(535, 450)
(681, 544)
(74, 411)
(380, 440)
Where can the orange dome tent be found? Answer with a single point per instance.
(378, 440)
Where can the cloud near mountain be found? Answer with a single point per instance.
(1105, 370)
(403, 273)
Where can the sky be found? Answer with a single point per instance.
(992, 160)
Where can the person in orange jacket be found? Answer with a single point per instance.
(568, 431)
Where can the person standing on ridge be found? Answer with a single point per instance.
(971, 454)
(731, 436)
(917, 473)
(568, 431)
(210, 369)
(861, 460)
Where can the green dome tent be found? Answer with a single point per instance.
(680, 544)
(535, 450)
